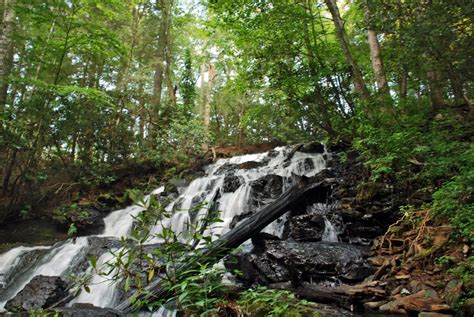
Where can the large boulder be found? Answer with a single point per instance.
(278, 261)
(231, 183)
(307, 227)
(312, 147)
(41, 292)
(266, 189)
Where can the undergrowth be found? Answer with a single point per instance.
(417, 152)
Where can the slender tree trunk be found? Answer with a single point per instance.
(436, 89)
(6, 47)
(160, 59)
(168, 47)
(359, 83)
(202, 95)
(2, 10)
(403, 84)
(7, 173)
(376, 55)
(63, 54)
(457, 87)
(207, 107)
(241, 136)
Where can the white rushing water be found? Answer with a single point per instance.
(200, 192)
(330, 233)
(55, 263)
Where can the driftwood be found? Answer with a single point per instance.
(235, 237)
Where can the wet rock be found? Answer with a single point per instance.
(225, 168)
(260, 239)
(307, 227)
(279, 261)
(86, 310)
(308, 164)
(273, 153)
(231, 183)
(97, 247)
(265, 189)
(23, 263)
(250, 165)
(40, 292)
(313, 147)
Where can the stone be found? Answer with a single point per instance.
(41, 292)
(231, 183)
(250, 165)
(266, 189)
(307, 227)
(279, 261)
(86, 310)
(312, 147)
(392, 307)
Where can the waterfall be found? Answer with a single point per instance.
(329, 234)
(233, 205)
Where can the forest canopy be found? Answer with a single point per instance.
(86, 85)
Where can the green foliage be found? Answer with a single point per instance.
(465, 272)
(269, 302)
(72, 230)
(431, 155)
(181, 143)
(455, 200)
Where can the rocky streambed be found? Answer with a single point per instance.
(320, 249)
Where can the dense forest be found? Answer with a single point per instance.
(97, 97)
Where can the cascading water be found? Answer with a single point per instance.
(234, 202)
(330, 233)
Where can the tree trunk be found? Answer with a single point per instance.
(235, 237)
(7, 173)
(359, 83)
(457, 87)
(241, 136)
(436, 89)
(207, 108)
(403, 84)
(376, 55)
(168, 50)
(202, 96)
(6, 47)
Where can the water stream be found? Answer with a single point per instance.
(233, 205)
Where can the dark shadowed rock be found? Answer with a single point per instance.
(231, 183)
(250, 164)
(225, 168)
(279, 261)
(266, 189)
(308, 164)
(307, 227)
(313, 147)
(86, 310)
(40, 292)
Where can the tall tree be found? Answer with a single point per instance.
(6, 47)
(375, 53)
(358, 79)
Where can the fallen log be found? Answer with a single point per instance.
(235, 237)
